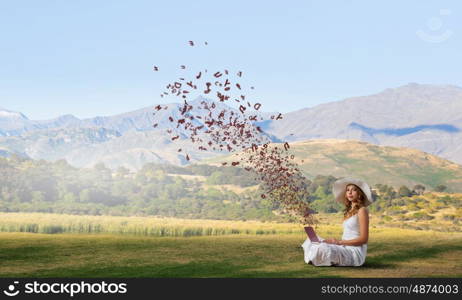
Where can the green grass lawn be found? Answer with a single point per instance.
(391, 253)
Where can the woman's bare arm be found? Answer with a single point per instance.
(363, 216)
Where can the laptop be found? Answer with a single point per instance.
(311, 234)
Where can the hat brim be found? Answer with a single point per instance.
(339, 189)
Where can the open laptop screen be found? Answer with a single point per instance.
(311, 234)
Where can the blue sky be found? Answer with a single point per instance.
(95, 58)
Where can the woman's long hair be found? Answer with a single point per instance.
(348, 212)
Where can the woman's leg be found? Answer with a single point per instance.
(324, 254)
(306, 250)
(342, 256)
(321, 255)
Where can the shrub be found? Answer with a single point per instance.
(404, 191)
(422, 216)
(430, 210)
(412, 206)
(387, 218)
(421, 205)
(400, 202)
(402, 217)
(449, 217)
(440, 188)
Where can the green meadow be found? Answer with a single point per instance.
(392, 252)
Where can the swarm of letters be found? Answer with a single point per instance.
(222, 128)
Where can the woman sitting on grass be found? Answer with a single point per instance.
(351, 250)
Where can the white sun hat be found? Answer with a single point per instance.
(339, 189)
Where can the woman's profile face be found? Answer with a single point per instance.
(352, 193)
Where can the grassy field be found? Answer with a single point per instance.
(141, 226)
(392, 252)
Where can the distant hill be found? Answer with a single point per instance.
(395, 166)
(418, 116)
(430, 211)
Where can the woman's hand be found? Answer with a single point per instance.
(332, 241)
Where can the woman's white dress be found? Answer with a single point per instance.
(324, 254)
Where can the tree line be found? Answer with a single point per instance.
(39, 186)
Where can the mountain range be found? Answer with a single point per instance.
(424, 117)
(128, 139)
(418, 116)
